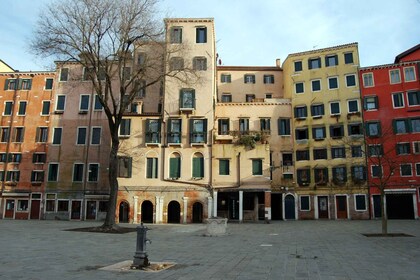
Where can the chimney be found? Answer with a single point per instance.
(278, 62)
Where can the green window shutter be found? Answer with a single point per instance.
(149, 168)
(256, 167)
(6, 84)
(193, 98)
(205, 130)
(198, 167)
(174, 167)
(19, 84)
(191, 129)
(223, 167)
(129, 166)
(30, 84)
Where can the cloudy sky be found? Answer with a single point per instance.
(250, 32)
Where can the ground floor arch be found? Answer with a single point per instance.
(289, 207)
(174, 212)
(124, 211)
(197, 212)
(147, 212)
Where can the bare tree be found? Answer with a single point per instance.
(102, 36)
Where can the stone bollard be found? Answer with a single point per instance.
(140, 257)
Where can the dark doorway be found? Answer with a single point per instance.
(289, 207)
(35, 209)
(91, 210)
(377, 206)
(233, 208)
(197, 212)
(276, 206)
(399, 206)
(174, 212)
(323, 207)
(76, 207)
(124, 211)
(341, 206)
(147, 212)
(10, 209)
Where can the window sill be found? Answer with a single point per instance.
(198, 144)
(175, 144)
(153, 144)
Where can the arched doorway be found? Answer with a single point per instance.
(197, 212)
(147, 212)
(124, 211)
(289, 207)
(174, 212)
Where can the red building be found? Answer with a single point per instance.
(391, 98)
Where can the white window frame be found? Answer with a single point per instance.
(94, 104)
(43, 102)
(11, 111)
(303, 88)
(53, 135)
(363, 79)
(405, 74)
(355, 80)
(68, 205)
(83, 172)
(371, 170)
(415, 166)
(18, 109)
(300, 203)
(45, 80)
(403, 101)
(312, 85)
(80, 103)
(414, 147)
(17, 205)
(390, 76)
(119, 130)
(56, 103)
(355, 204)
(48, 171)
(88, 170)
(91, 135)
(348, 106)
(411, 169)
(339, 108)
(77, 136)
(338, 82)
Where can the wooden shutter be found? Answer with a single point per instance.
(6, 84)
(198, 167)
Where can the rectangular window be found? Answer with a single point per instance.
(152, 131)
(339, 174)
(314, 63)
(49, 83)
(198, 131)
(64, 74)
(301, 133)
(41, 134)
(96, 136)
(406, 170)
(336, 131)
(376, 171)
(126, 73)
(45, 108)
(257, 167)
(201, 35)
(187, 99)
(298, 66)
(62, 205)
(25, 84)
(140, 88)
(403, 148)
(375, 150)
(394, 76)
(413, 98)
(332, 82)
(356, 151)
(370, 103)
(303, 177)
(199, 63)
(225, 78)
(415, 125)
(249, 79)
(97, 103)
(351, 80)
(226, 98)
(331, 60)
(301, 112)
(268, 79)
(223, 127)
(321, 176)
(3, 157)
(348, 58)
(174, 167)
(358, 173)
(360, 202)
(84, 103)
(353, 106)
(57, 133)
(249, 97)
(244, 125)
(151, 168)
(198, 167)
(409, 74)
(5, 134)
(81, 136)
(416, 147)
(39, 158)
(368, 80)
(335, 108)
(174, 131)
(53, 172)
(22, 108)
(78, 169)
(417, 169)
(124, 167)
(8, 106)
(338, 152)
(305, 204)
(400, 126)
(10, 84)
(18, 134)
(61, 103)
(15, 157)
(355, 129)
(398, 100)
(284, 127)
(373, 129)
(265, 125)
(299, 88)
(13, 176)
(22, 205)
(302, 155)
(224, 167)
(37, 176)
(317, 110)
(320, 154)
(318, 133)
(125, 128)
(176, 35)
(316, 85)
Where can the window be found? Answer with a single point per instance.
(96, 136)
(301, 112)
(339, 174)
(126, 73)
(223, 127)
(358, 173)
(198, 131)
(268, 79)
(57, 132)
(64, 74)
(175, 166)
(200, 63)
(284, 127)
(125, 127)
(151, 168)
(257, 167)
(321, 176)
(174, 131)
(316, 85)
(413, 98)
(348, 58)
(249, 79)
(39, 157)
(176, 35)
(8, 106)
(48, 83)
(198, 166)
(370, 103)
(141, 60)
(368, 80)
(3, 157)
(41, 134)
(61, 103)
(415, 125)
(320, 154)
(353, 106)
(333, 82)
(403, 148)
(360, 202)
(15, 157)
(301, 133)
(336, 131)
(22, 205)
(152, 131)
(62, 206)
(373, 129)
(225, 78)
(224, 167)
(140, 88)
(50, 202)
(226, 98)
(298, 66)
(318, 133)
(97, 103)
(409, 74)
(398, 100)
(22, 108)
(299, 88)
(305, 204)
(406, 170)
(45, 108)
(201, 35)
(351, 80)
(81, 136)
(375, 150)
(25, 84)
(331, 60)
(37, 176)
(303, 177)
(18, 134)
(394, 76)
(124, 167)
(88, 73)
(5, 134)
(376, 171)
(317, 110)
(244, 125)
(314, 63)
(187, 99)
(268, 95)
(265, 124)
(176, 64)
(356, 151)
(338, 152)
(417, 169)
(84, 103)
(302, 155)
(355, 129)
(78, 169)
(335, 108)
(13, 176)
(10, 84)
(416, 147)
(249, 97)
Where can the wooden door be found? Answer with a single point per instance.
(10, 209)
(341, 206)
(35, 209)
(323, 207)
(76, 207)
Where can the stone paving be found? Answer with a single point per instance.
(280, 250)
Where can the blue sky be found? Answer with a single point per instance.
(250, 32)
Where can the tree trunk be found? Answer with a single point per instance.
(113, 181)
(383, 212)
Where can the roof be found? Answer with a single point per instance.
(407, 52)
(323, 50)
(248, 68)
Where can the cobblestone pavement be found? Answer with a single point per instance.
(280, 250)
